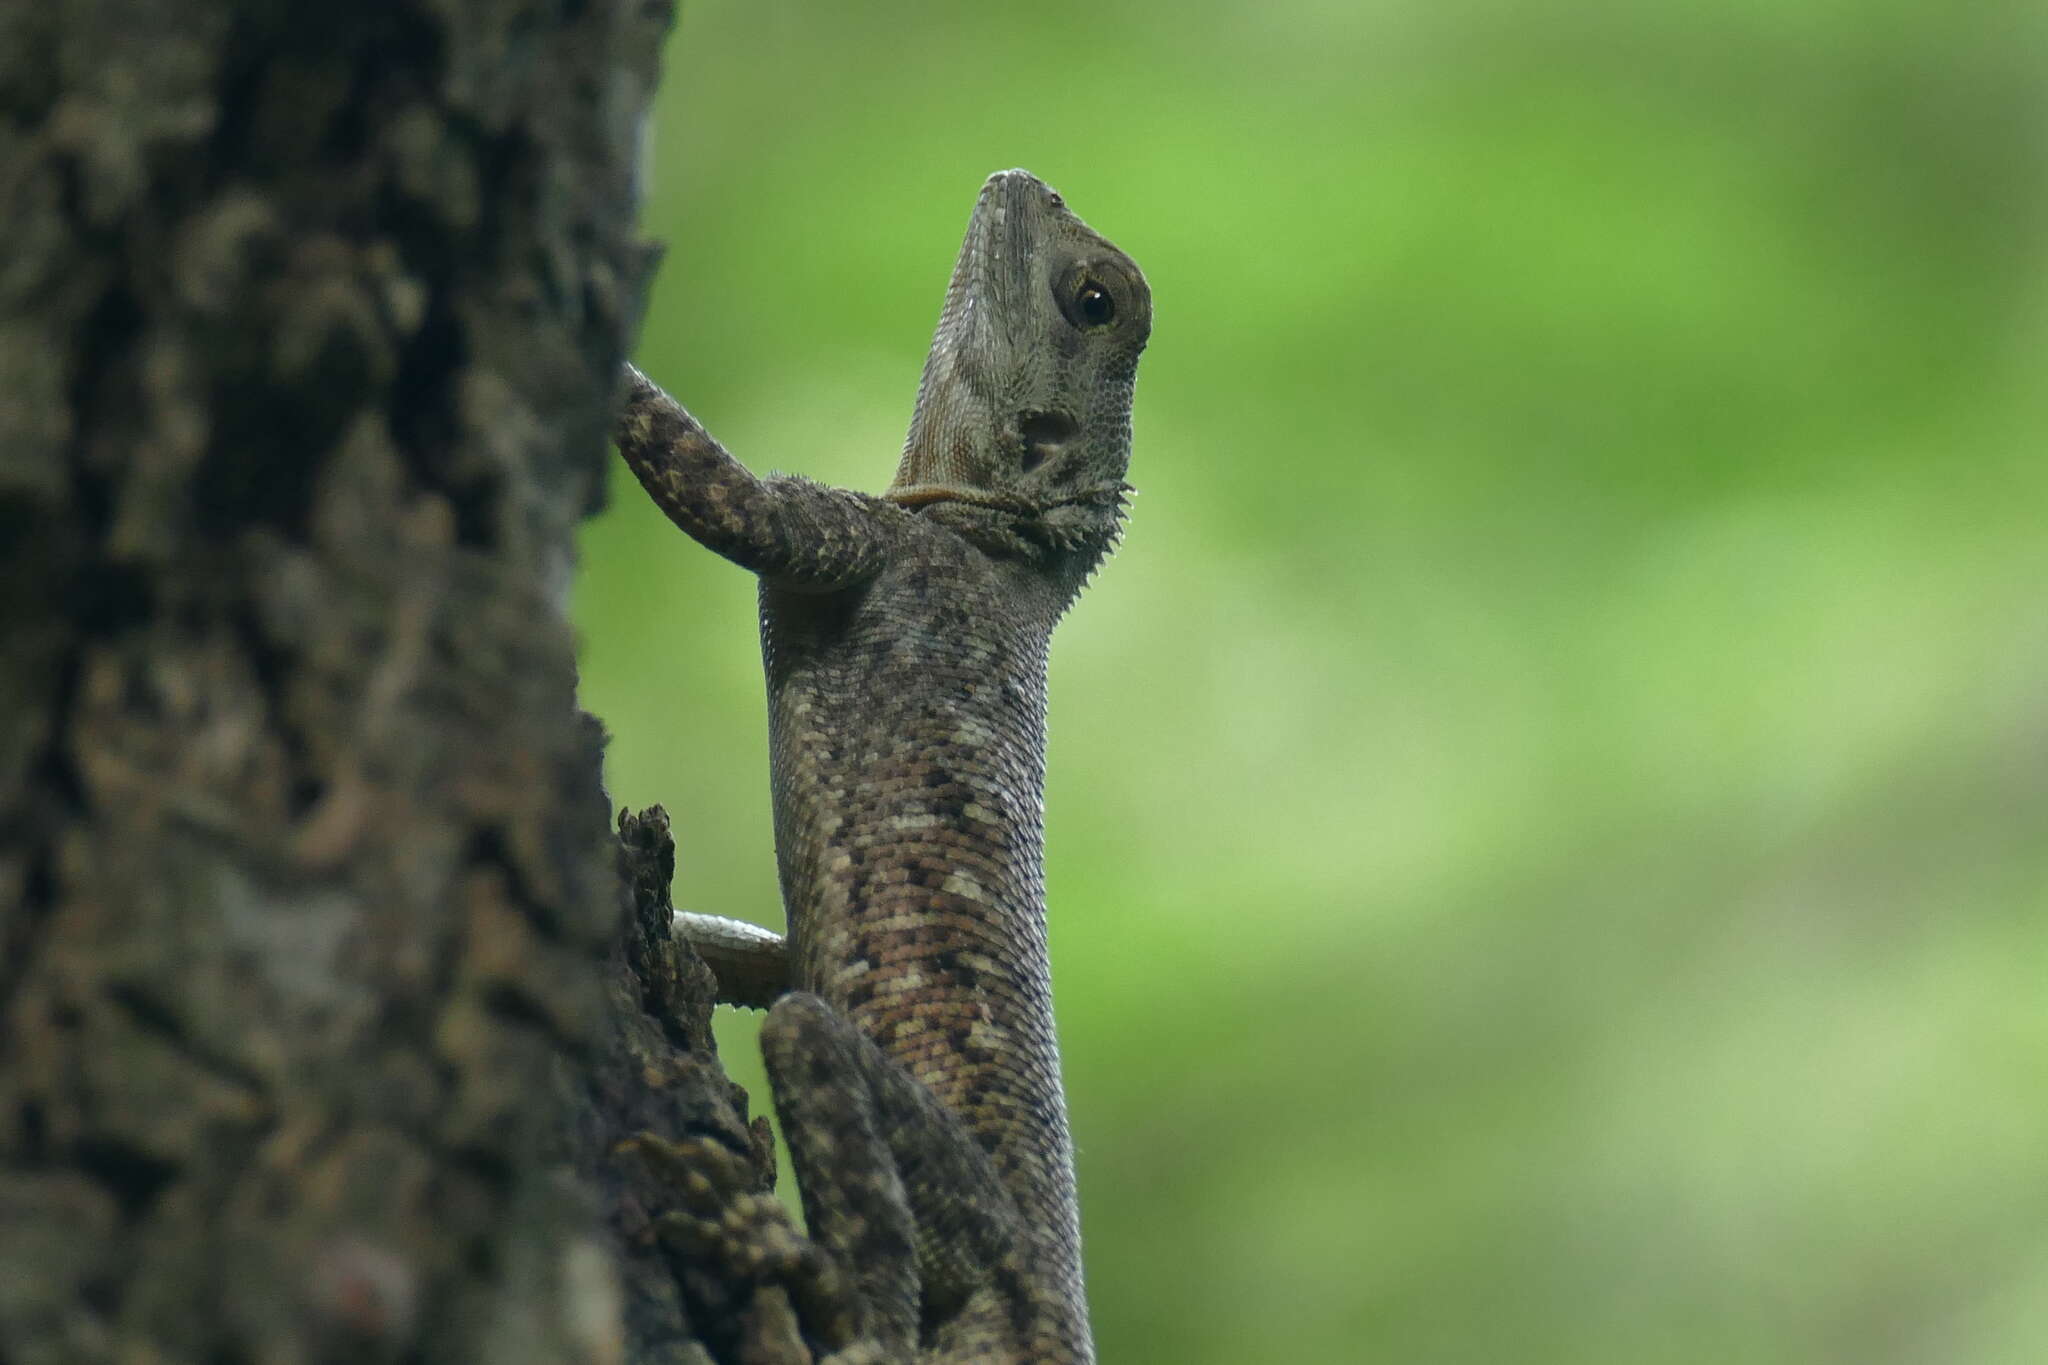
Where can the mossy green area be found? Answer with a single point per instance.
(1548, 815)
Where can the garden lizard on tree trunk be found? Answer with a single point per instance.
(910, 1042)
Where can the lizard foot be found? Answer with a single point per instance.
(791, 1298)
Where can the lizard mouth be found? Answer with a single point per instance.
(1112, 494)
(925, 494)
(1029, 442)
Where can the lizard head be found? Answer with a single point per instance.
(1023, 417)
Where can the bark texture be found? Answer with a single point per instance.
(310, 317)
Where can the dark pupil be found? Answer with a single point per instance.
(1096, 305)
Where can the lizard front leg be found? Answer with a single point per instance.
(790, 531)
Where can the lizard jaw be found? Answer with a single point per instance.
(1032, 440)
(925, 494)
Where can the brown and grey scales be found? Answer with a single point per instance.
(905, 639)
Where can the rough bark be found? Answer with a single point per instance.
(310, 318)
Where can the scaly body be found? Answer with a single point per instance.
(905, 639)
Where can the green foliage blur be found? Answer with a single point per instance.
(1547, 808)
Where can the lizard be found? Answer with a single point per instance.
(909, 1040)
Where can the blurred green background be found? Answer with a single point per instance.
(1547, 809)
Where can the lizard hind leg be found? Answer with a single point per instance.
(751, 964)
(893, 1185)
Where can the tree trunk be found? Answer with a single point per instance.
(310, 317)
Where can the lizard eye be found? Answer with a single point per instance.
(1098, 295)
(1095, 305)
